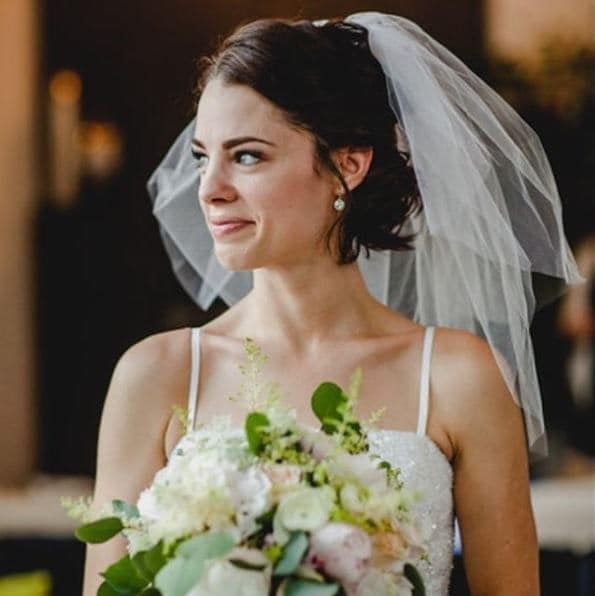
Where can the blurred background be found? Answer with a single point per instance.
(91, 96)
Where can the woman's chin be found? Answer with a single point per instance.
(235, 261)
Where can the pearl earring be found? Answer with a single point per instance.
(339, 203)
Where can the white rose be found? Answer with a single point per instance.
(306, 508)
(341, 551)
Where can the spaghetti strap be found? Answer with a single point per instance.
(424, 384)
(194, 372)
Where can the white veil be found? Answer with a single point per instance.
(490, 245)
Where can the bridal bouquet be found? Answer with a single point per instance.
(270, 509)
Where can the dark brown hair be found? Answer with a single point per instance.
(327, 82)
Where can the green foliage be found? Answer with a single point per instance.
(254, 393)
(182, 415)
(256, 424)
(100, 530)
(355, 384)
(273, 552)
(241, 564)
(181, 573)
(412, 574)
(335, 410)
(319, 475)
(150, 562)
(392, 474)
(78, 508)
(326, 401)
(106, 590)
(136, 575)
(178, 577)
(308, 573)
(206, 546)
(124, 577)
(292, 554)
(341, 515)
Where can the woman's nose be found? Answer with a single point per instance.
(214, 185)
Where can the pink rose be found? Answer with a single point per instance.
(341, 551)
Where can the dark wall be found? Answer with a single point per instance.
(137, 60)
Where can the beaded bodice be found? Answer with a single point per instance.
(424, 468)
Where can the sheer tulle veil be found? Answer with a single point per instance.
(490, 246)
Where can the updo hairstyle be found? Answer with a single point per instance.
(327, 82)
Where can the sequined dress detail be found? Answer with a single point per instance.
(424, 468)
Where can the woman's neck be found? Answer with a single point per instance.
(311, 305)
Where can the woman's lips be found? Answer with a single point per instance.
(227, 228)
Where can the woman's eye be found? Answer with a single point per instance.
(200, 159)
(247, 158)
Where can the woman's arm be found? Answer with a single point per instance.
(491, 477)
(144, 386)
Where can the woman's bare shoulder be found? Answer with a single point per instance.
(152, 372)
(164, 347)
(468, 388)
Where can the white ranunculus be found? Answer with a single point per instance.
(340, 550)
(306, 508)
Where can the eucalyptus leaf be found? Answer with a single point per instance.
(178, 577)
(255, 422)
(150, 592)
(206, 546)
(100, 530)
(412, 574)
(301, 587)
(124, 577)
(240, 564)
(326, 401)
(126, 509)
(292, 554)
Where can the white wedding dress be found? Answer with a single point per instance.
(424, 468)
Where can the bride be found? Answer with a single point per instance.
(315, 143)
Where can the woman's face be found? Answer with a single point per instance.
(255, 167)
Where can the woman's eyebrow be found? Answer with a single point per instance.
(236, 141)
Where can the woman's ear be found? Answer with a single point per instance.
(353, 163)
